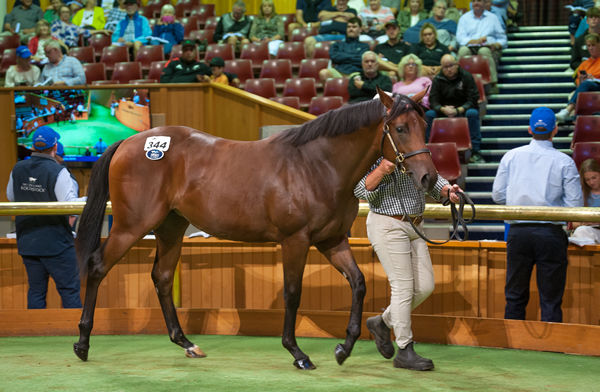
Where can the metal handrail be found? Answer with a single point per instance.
(436, 211)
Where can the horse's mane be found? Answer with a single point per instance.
(345, 120)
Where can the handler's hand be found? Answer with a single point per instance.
(450, 191)
(386, 166)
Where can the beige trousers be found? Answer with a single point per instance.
(405, 259)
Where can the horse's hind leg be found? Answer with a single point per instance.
(294, 251)
(339, 254)
(169, 236)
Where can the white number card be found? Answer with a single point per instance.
(160, 143)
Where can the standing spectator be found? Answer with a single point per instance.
(333, 25)
(579, 50)
(37, 42)
(362, 86)
(268, 27)
(410, 68)
(133, 30)
(446, 28)
(307, 13)
(346, 56)
(23, 73)
(233, 28)
(45, 242)
(187, 68)
(24, 16)
(402, 253)
(430, 51)
(51, 13)
(61, 70)
(90, 16)
(479, 32)
(115, 15)
(374, 17)
(217, 67)
(393, 50)
(454, 94)
(589, 174)
(167, 29)
(100, 147)
(412, 16)
(537, 175)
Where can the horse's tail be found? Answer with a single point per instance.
(90, 224)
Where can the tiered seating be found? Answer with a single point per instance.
(85, 54)
(336, 87)
(99, 42)
(156, 68)
(588, 103)
(149, 53)
(587, 129)
(185, 7)
(320, 105)
(203, 12)
(445, 159)
(279, 69)
(206, 34)
(94, 72)
(224, 51)
(309, 68)
(290, 101)
(242, 68)
(126, 71)
(477, 65)
(586, 150)
(294, 51)
(114, 54)
(256, 53)
(265, 87)
(9, 57)
(190, 23)
(211, 22)
(9, 42)
(452, 129)
(322, 49)
(303, 88)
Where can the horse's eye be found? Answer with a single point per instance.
(401, 128)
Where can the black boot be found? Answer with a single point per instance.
(407, 358)
(382, 336)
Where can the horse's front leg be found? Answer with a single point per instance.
(294, 250)
(339, 254)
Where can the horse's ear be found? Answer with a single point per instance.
(385, 99)
(419, 96)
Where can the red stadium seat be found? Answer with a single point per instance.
(294, 51)
(9, 57)
(300, 34)
(587, 129)
(481, 88)
(203, 12)
(287, 19)
(126, 71)
(303, 88)
(586, 150)
(336, 87)
(9, 42)
(322, 49)
(156, 69)
(224, 51)
(320, 105)
(94, 72)
(199, 35)
(103, 82)
(242, 68)
(185, 7)
(477, 65)
(151, 10)
(309, 68)
(278, 69)
(445, 159)
(85, 54)
(211, 22)
(114, 54)
(99, 42)
(190, 23)
(265, 87)
(256, 53)
(588, 103)
(293, 102)
(149, 53)
(456, 130)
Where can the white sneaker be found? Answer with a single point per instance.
(563, 115)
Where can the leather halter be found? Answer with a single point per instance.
(400, 157)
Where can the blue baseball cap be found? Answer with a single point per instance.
(542, 117)
(23, 52)
(44, 138)
(60, 149)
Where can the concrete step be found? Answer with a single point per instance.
(536, 86)
(520, 140)
(538, 34)
(480, 180)
(540, 42)
(536, 50)
(511, 117)
(483, 166)
(522, 106)
(501, 151)
(524, 97)
(513, 128)
(533, 67)
(535, 75)
(563, 58)
(528, 29)
(479, 195)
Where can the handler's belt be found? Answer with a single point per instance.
(407, 218)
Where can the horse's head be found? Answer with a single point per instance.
(403, 138)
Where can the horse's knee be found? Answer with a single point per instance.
(291, 296)
(163, 282)
(96, 268)
(360, 288)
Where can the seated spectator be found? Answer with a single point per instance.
(37, 42)
(23, 73)
(362, 85)
(25, 16)
(268, 27)
(333, 25)
(61, 70)
(217, 67)
(579, 50)
(233, 28)
(412, 82)
(167, 29)
(446, 28)
(430, 51)
(346, 56)
(186, 69)
(115, 15)
(454, 93)
(578, 10)
(90, 16)
(479, 32)
(51, 13)
(307, 13)
(74, 5)
(412, 16)
(393, 50)
(587, 74)
(452, 12)
(393, 5)
(133, 30)
(67, 32)
(374, 17)
(589, 175)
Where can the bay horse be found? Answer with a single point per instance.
(294, 188)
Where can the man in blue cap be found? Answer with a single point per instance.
(45, 242)
(537, 175)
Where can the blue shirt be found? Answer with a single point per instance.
(537, 175)
(68, 70)
(470, 27)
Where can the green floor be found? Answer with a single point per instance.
(235, 363)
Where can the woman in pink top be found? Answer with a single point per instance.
(409, 70)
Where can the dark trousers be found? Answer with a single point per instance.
(542, 245)
(64, 271)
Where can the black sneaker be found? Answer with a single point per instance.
(382, 336)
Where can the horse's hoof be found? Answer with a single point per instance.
(81, 351)
(340, 354)
(304, 364)
(194, 352)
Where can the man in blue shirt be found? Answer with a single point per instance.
(100, 147)
(45, 242)
(346, 56)
(61, 70)
(537, 175)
